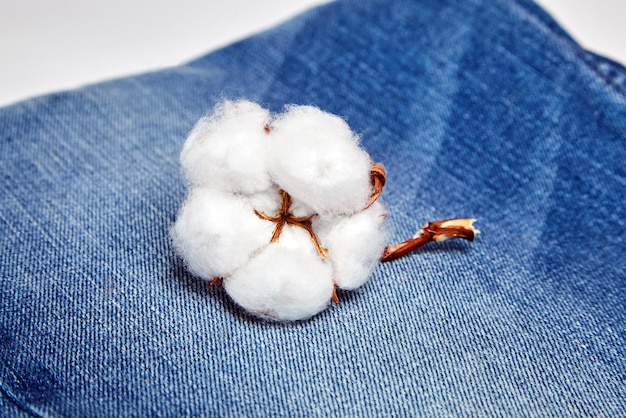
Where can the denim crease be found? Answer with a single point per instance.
(476, 108)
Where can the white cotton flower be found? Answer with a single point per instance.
(227, 150)
(316, 158)
(279, 212)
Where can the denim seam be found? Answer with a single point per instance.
(6, 392)
(579, 52)
(610, 81)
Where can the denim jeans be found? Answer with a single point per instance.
(477, 108)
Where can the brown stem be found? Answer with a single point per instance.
(433, 231)
(393, 252)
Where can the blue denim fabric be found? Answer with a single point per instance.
(482, 108)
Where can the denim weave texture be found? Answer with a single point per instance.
(477, 108)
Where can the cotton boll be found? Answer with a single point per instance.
(216, 232)
(227, 150)
(355, 244)
(283, 284)
(278, 213)
(315, 157)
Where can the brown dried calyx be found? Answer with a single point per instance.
(285, 217)
(378, 177)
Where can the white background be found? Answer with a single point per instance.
(50, 45)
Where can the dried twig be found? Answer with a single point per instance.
(433, 231)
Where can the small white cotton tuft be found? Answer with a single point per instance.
(227, 150)
(315, 157)
(216, 233)
(283, 284)
(354, 244)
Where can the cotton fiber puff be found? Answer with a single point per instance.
(316, 157)
(217, 232)
(354, 244)
(226, 150)
(288, 280)
(278, 208)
